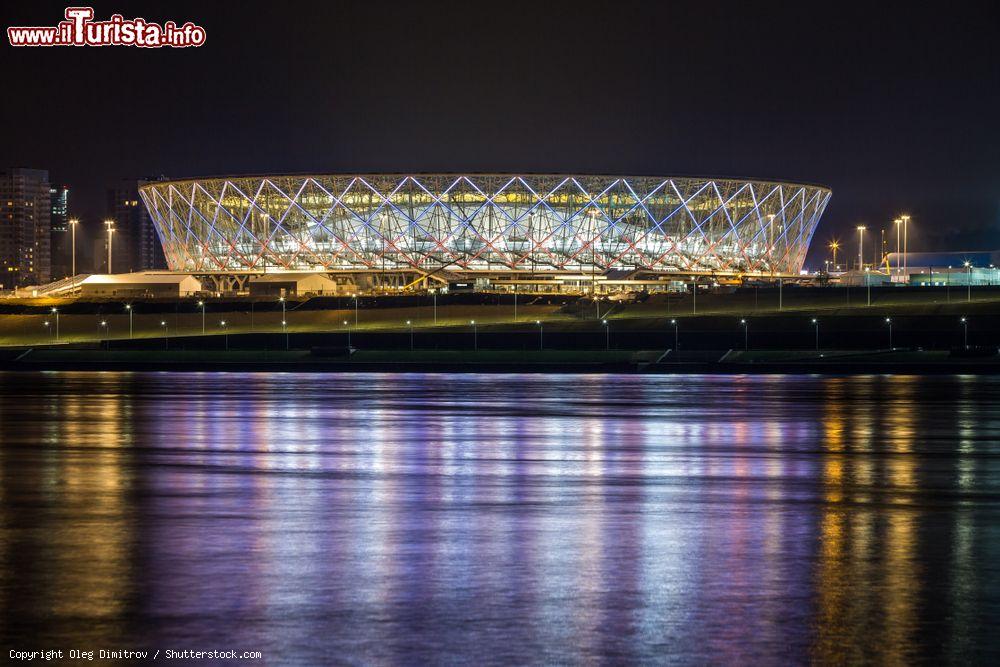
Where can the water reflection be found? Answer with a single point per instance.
(393, 518)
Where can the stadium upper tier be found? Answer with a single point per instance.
(484, 222)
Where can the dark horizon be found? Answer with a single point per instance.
(891, 107)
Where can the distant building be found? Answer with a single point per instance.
(139, 285)
(135, 245)
(855, 278)
(917, 262)
(293, 284)
(954, 276)
(59, 235)
(25, 227)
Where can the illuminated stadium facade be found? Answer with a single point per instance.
(485, 224)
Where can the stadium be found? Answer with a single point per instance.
(396, 231)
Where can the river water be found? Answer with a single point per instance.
(428, 519)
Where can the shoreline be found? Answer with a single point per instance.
(650, 362)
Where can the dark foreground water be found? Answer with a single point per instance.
(491, 519)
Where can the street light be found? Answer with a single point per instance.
(55, 311)
(746, 335)
(73, 222)
(965, 333)
(202, 305)
(166, 334)
(607, 335)
(861, 247)
(222, 324)
(888, 321)
(111, 231)
(348, 335)
(868, 283)
(968, 280)
(355, 309)
(47, 324)
(676, 335)
(816, 324)
(128, 307)
(410, 324)
(541, 334)
(906, 224)
(104, 327)
(899, 223)
(284, 322)
(475, 336)
(834, 246)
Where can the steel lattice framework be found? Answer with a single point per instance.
(484, 222)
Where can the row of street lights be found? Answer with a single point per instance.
(105, 328)
(73, 224)
(902, 222)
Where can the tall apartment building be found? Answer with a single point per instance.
(25, 227)
(135, 246)
(59, 236)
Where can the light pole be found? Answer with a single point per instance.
(355, 310)
(780, 300)
(906, 224)
(607, 335)
(541, 334)
(73, 222)
(888, 321)
(166, 334)
(816, 325)
(111, 231)
(746, 335)
(968, 280)
(202, 305)
(284, 322)
(225, 331)
(128, 307)
(868, 284)
(435, 296)
(694, 296)
(592, 213)
(898, 222)
(861, 247)
(55, 311)
(770, 242)
(834, 246)
(475, 336)
(48, 331)
(410, 324)
(965, 333)
(676, 335)
(103, 329)
(348, 329)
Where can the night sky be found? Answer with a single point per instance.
(895, 107)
